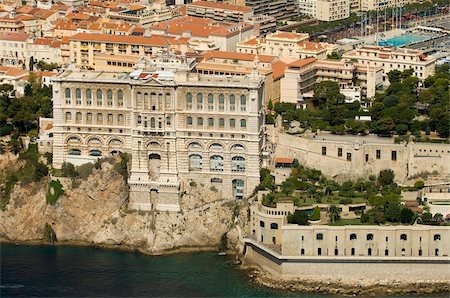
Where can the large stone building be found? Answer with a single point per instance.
(332, 10)
(180, 127)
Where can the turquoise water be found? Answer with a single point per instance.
(403, 40)
(48, 271)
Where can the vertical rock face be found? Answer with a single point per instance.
(93, 211)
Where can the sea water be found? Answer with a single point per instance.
(65, 271)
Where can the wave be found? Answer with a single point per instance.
(11, 286)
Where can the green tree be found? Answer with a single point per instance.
(394, 76)
(384, 126)
(270, 105)
(299, 218)
(334, 212)
(406, 216)
(386, 177)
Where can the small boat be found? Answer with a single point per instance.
(222, 254)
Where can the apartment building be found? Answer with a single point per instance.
(301, 76)
(219, 11)
(178, 126)
(8, 24)
(279, 9)
(142, 16)
(332, 10)
(45, 49)
(286, 45)
(13, 50)
(208, 34)
(308, 7)
(370, 5)
(390, 58)
(113, 52)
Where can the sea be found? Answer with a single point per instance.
(72, 271)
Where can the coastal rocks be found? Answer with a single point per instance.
(93, 212)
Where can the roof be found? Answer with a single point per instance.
(222, 6)
(13, 71)
(288, 160)
(302, 62)
(286, 35)
(251, 42)
(160, 40)
(238, 56)
(310, 46)
(14, 36)
(278, 69)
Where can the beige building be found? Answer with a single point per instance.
(13, 50)
(142, 16)
(219, 11)
(332, 10)
(390, 58)
(270, 226)
(180, 127)
(286, 45)
(113, 52)
(279, 9)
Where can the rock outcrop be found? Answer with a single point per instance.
(93, 212)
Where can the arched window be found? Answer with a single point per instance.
(200, 121)
(274, 226)
(238, 147)
(89, 118)
(110, 119)
(221, 103)
(352, 236)
(120, 98)
(78, 118)
(200, 101)
(194, 146)
(261, 224)
(95, 153)
(319, 236)
(139, 100)
(120, 119)
(221, 123)
(109, 97)
(68, 116)
(99, 118)
(243, 123)
(243, 103)
(437, 237)
(210, 102)
(369, 237)
(99, 97)
(189, 120)
(232, 123)
(403, 237)
(210, 121)
(67, 93)
(73, 140)
(238, 164)
(216, 146)
(78, 93)
(189, 101)
(216, 163)
(74, 152)
(232, 102)
(195, 162)
(152, 123)
(168, 121)
(89, 97)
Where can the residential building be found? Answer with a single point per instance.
(11, 24)
(279, 9)
(178, 126)
(262, 24)
(14, 49)
(113, 52)
(142, 16)
(332, 10)
(45, 49)
(390, 58)
(219, 11)
(308, 7)
(14, 76)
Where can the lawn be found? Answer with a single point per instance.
(345, 222)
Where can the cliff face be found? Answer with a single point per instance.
(93, 211)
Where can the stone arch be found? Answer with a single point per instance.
(153, 144)
(80, 139)
(92, 140)
(117, 142)
(236, 146)
(210, 143)
(190, 145)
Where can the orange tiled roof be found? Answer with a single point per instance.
(302, 62)
(310, 45)
(284, 160)
(287, 35)
(223, 6)
(14, 36)
(159, 40)
(238, 56)
(13, 71)
(278, 69)
(251, 42)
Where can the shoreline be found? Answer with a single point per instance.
(297, 284)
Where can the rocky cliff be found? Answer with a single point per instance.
(93, 211)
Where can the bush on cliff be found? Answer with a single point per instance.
(55, 191)
(315, 214)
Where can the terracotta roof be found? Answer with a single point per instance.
(278, 69)
(13, 71)
(137, 40)
(251, 42)
(77, 16)
(14, 36)
(310, 45)
(222, 6)
(11, 20)
(42, 41)
(287, 35)
(238, 56)
(66, 26)
(302, 62)
(284, 160)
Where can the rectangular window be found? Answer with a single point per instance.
(324, 150)
(367, 157)
(394, 155)
(349, 156)
(340, 152)
(319, 251)
(378, 154)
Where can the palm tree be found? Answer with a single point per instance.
(334, 213)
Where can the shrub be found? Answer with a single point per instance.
(193, 184)
(85, 170)
(269, 200)
(6, 190)
(419, 184)
(299, 217)
(122, 166)
(315, 214)
(68, 170)
(54, 192)
(345, 201)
